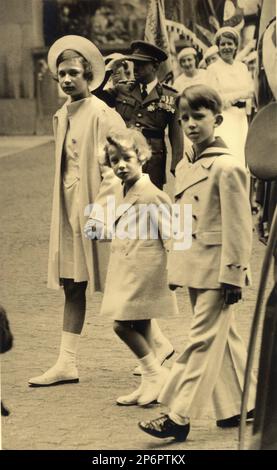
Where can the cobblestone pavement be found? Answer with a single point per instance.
(82, 416)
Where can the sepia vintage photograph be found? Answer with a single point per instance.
(138, 185)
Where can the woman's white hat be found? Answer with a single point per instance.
(186, 51)
(87, 49)
(260, 138)
(210, 51)
(227, 29)
(270, 57)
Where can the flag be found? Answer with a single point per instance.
(156, 33)
(233, 14)
(208, 18)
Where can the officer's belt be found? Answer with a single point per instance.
(152, 133)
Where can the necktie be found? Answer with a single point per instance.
(144, 91)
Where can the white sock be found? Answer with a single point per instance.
(181, 420)
(150, 364)
(68, 349)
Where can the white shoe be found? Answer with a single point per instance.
(55, 376)
(131, 399)
(162, 355)
(152, 386)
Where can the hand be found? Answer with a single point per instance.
(93, 229)
(232, 294)
(173, 286)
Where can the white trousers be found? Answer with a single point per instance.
(213, 363)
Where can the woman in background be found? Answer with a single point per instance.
(190, 75)
(231, 79)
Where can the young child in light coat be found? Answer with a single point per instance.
(136, 288)
(214, 269)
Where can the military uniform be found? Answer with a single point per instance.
(151, 115)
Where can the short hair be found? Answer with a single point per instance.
(199, 96)
(228, 35)
(126, 140)
(71, 54)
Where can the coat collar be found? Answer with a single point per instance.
(198, 170)
(216, 148)
(132, 196)
(154, 95)
(193, 174)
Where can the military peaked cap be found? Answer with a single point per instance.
(146, 52)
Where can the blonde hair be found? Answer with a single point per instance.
(126, 140)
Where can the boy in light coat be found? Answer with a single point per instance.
(214, 269)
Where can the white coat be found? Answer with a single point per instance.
(137, 285)
(89, 126)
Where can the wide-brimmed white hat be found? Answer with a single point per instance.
(261, 143)
(87, 49)
(270, 57)
(186, 51)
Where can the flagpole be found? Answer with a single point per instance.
(193, 12)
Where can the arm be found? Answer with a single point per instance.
(236, 226)
(109, 185)
(108, 95)
(176, 138)
(162, 217)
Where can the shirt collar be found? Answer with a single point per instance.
(150, 86)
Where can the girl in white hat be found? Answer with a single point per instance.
(190, 75)
(232, 81)
(80, 129)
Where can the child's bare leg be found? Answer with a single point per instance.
(128, 333)
(144, 327)
(74, 306)
(158, 343)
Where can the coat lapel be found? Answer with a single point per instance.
(195, 173)
(131, 197)
(153, 96)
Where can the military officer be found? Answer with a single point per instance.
(150, 106)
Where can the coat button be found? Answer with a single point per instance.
(196, 198)
(75, 154)
(139, 115)
(194, 235)
(138, 124)
(124, 101)
(74, 141)
(194, 216)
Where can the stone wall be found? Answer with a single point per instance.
(20, 31)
